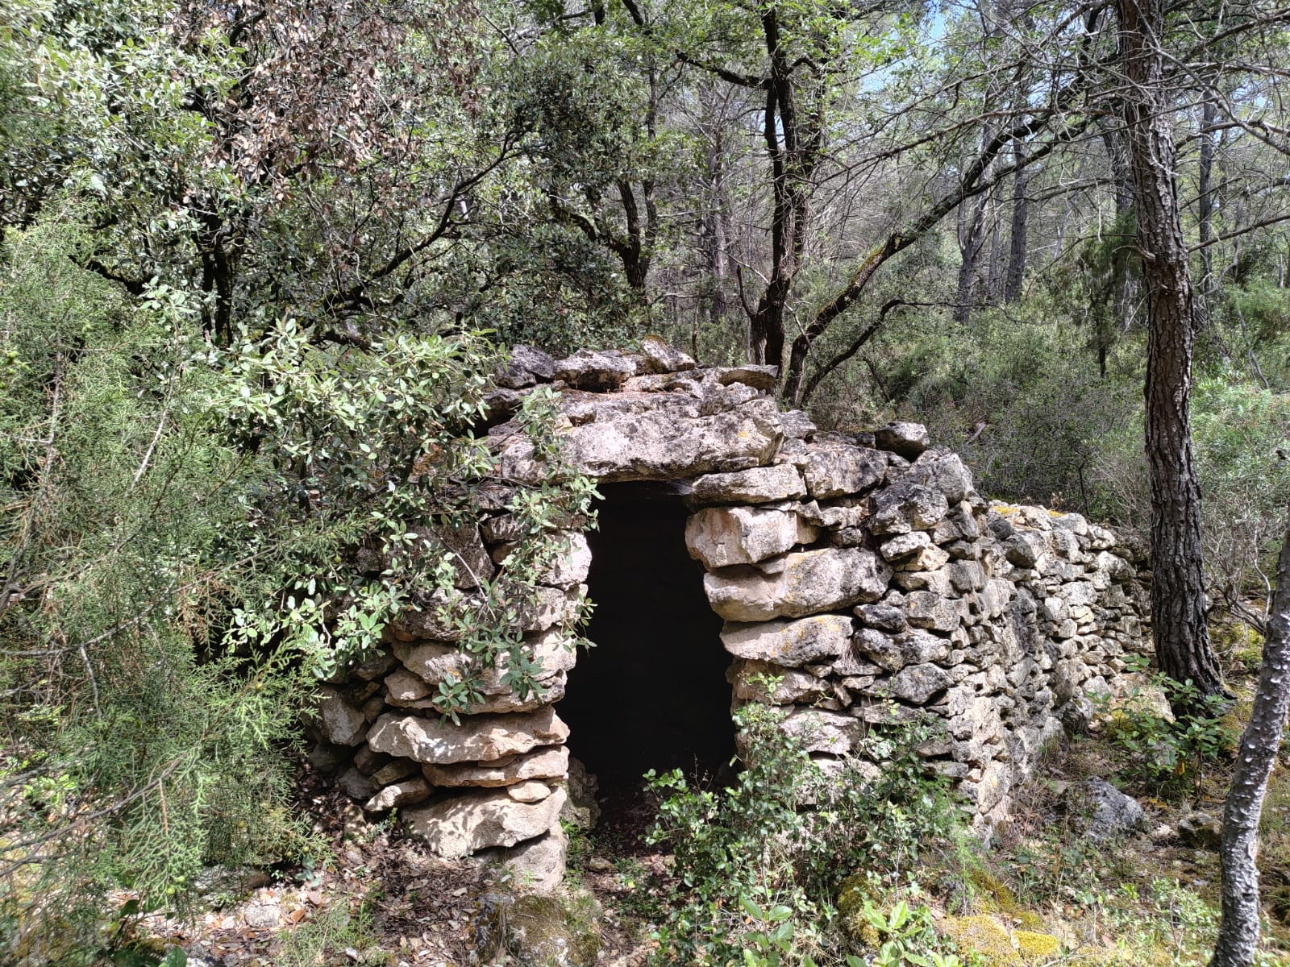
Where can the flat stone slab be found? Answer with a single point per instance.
(798, 584)
(465, 824)
(790, 643)
(548, 763)
(760, 485)
(477, 739)
(722, 536)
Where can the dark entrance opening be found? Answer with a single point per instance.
(652, 694)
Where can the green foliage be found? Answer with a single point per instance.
(780, 841)
(1164, 756)
(184, 551)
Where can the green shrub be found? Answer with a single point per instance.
(784, 836)
(1164, 756)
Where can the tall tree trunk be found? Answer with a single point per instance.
(971, 252)
(1178, 580)
(1020, 214)
(1205, 202)
(1238, 932)
(1126, 285)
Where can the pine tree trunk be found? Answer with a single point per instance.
(1238, 933)
(1178, 585)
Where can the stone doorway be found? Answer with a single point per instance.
(653, 693)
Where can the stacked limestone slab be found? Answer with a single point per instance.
(863, 571)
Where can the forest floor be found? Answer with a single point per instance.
(1150, 898)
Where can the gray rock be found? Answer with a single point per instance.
(434, 662)
(536, 865)
(821, 731)
(838, 471)
(529, 791)
(944, 471)
(798, 584)
(375, 666)
(477, 738)
(548, 763)
(409, 792)
(722, 536)
(790, 644)
(906, 439)
(798, 426)
(582, 808)
(760, 485)
(1200, 830)
(659, 357)
(658, 446)
(756, 376)
(916, 684)
(905, 507)
(465, 824)
(526, 367)
(794, 687)
(595, 371)
(894, 652)
(881, 616)
(1110, 813)
(928, 610)
(262, 914)
(356, 785)
(342, 724)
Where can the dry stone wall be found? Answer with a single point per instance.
(864, 572)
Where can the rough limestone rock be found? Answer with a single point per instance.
(722, 536)
(433, 662)
(467, 823)
(757, 376)
(1110, 813)
(536, 865)
(526, 367)
(658, 446)
(905, 507)
(798, 584)
(548, 763)
(822, 731)
(477, 738)
(894, 652)
(906, 439)
(659, 357)
(916, 684)
(790, 644)
(529, 791)
(842, 471)
(342, 724)
(1200, 831)
(794, 687)
(409, 792)
(760, 485)
(571, 566)
(597, 371)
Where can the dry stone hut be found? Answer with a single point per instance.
(735, 539)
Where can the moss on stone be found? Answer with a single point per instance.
(982, 936)
(540, 930)
(1036, 947)
(993, 945)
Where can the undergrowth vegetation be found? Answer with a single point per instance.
(761, 863)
